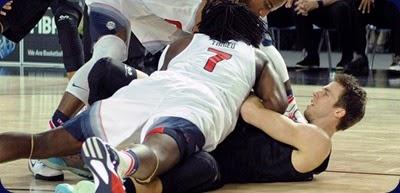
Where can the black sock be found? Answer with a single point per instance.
(129, 185)
(59, 118)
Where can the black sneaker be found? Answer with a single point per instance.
(308, 63)
(359, 66)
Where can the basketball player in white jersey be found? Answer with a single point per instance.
(191, 106)
(110, 26)
(151, 28)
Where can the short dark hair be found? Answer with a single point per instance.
(353, 100)
(225, 20)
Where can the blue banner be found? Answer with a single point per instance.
(9, 51)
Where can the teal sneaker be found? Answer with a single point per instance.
(83, 186)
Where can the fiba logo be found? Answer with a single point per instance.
(47, 25)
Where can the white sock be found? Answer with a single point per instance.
(292, 111)
(127, 164)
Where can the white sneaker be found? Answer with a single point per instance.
(69, 163)
(42, 172)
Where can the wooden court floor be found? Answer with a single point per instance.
(366, 158)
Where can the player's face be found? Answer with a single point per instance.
(263, 7)
(323, 101)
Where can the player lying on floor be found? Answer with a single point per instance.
(265, 146)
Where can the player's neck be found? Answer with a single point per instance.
(326, 124)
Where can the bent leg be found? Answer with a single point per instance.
(111, 32)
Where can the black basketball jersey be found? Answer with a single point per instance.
(249, 155)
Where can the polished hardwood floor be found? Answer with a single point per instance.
(366, 158)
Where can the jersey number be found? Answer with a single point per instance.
(213, 60)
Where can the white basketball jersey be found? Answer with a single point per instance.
(205, 84)
(155, 20)
(227, 69)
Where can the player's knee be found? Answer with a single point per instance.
(99, 68)
(107, 76)
(165, 148)
(209, 165)
(105, 20)
(110, 46)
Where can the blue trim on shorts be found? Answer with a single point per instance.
(86, 124)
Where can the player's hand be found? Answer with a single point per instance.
(6, 7)
(303, 7)
(366, 6)
(289, 3)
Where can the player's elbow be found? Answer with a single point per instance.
(277, 104)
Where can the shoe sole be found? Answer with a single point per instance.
(79, 172)
(97, 159)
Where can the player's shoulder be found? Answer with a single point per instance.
(260, 56)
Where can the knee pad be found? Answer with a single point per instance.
(68, 36)
(110, 46)
(106, 20)
(106, 77)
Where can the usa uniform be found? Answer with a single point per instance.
(205, 84)
(147, 17)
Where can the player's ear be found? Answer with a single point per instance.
(340, 112)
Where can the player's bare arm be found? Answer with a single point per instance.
(313, 145)
(268, 85)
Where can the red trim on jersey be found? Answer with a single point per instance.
(159, 130)
(178, 24)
